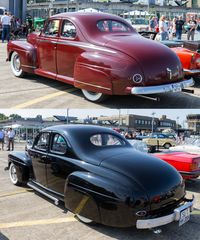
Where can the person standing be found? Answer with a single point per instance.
(11, 136)
(191, 28)
(163, 29)
(179, 27)
(2, 135)
(6, 22)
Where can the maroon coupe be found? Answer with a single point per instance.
(99, 53)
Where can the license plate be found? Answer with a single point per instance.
(176, 88)
(184, 216)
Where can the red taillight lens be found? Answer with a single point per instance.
(195, 166)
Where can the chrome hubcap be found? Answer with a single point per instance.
(16, 63)
(13, 173)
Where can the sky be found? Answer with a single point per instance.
(175, 114)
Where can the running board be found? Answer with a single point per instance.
(38, 189)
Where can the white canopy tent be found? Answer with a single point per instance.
(137, 13)
(89, 10)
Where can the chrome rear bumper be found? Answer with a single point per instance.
(172, 87)
(175, 216)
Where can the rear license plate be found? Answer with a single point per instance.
(176, 88)
(184, 216)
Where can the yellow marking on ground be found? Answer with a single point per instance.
(195, 212)
(41, 99)
(15, 193)
(37, 222)
(81, 204)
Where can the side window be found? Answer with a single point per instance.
(42, 142)
(52, 28)
(68, 30)
(59, 144)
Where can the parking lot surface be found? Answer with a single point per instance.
(38, 92)
(26, 215)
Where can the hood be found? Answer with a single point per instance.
(160, 181)
(159, 63)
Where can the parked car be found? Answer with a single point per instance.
(160, 140)
(187, 164)
(99, 53)
(140, 24)
(100, 177)
(190, 146)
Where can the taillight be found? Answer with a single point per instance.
(195, 61)
(195, 165)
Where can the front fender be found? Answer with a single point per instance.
(27, 53)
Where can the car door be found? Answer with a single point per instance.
(68, 49)
(39, 153)
(46, 47)
(60, 163)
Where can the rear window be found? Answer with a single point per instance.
(112, 26)
(106, 140)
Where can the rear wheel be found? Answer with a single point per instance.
(16, 65)
(13, 175)
(167, 145)
(94, 96)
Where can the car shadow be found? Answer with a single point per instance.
(165, 100)
(190, 230)
(193, 185)
(3, 237)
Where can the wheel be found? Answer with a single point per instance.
(16, 65)
(13, 175)
(167, 145)
(84, 220)
(93, 96)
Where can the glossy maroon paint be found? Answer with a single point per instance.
(97, 61)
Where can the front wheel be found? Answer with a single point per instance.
(94, 96)
(84, 219)
(16, 65)
(13, 175)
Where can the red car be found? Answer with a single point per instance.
(186, 163)
(99, 53)
(190, 60)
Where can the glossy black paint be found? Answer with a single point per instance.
(108, 184)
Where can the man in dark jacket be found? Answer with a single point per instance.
(179, 27)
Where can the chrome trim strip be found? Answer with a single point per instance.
(191, 71)
(89, 46)
(28, 66)
(45, 40)
(31, 185)
(156, 222)
(172, 87)
(92, 85)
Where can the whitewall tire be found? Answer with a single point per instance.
(16, 65)
(93, 96)
(13, 174)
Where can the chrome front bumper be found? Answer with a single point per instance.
(156, 222)
(172, 87)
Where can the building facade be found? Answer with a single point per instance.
(193, 121)
(16, 7)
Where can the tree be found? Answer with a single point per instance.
(3, 116)
(15, 116)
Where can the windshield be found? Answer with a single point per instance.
(112, 26)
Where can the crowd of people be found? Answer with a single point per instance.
(13, 26)
(168, 29)
(7, 139)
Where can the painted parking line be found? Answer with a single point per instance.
(37, 222)
(41, 99)
(15, 192)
